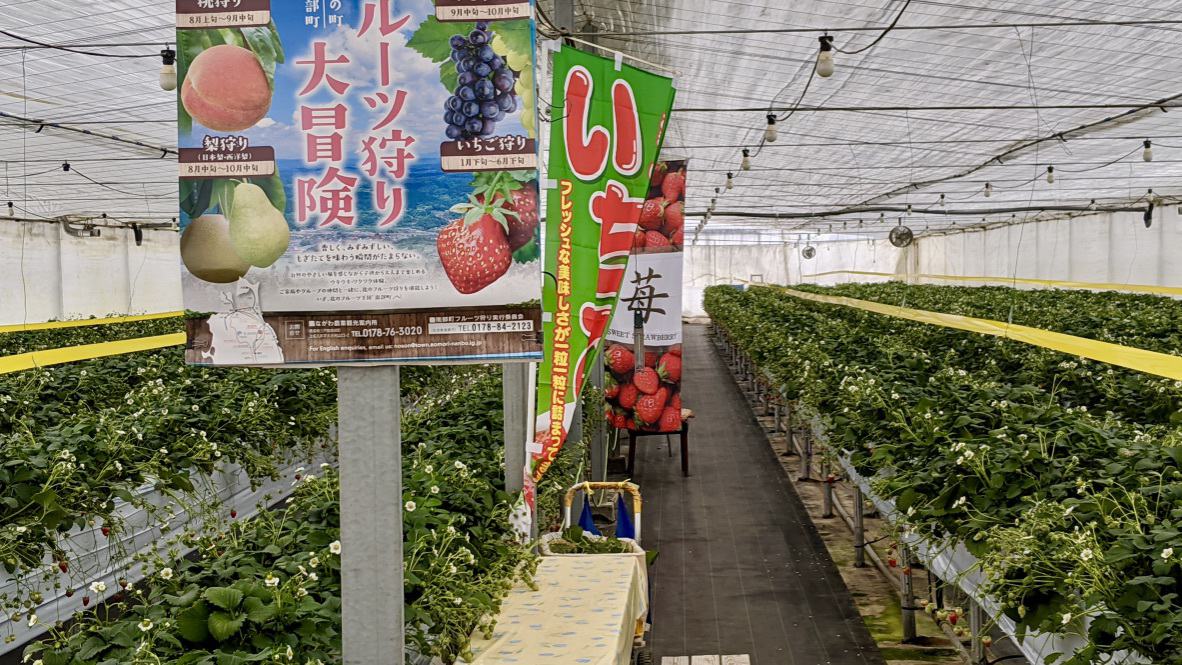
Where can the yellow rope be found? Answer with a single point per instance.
(1055, 283)
(69, 354)
(78, 323)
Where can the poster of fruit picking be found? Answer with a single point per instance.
(358, 181)
(611, 122)
(643, 392)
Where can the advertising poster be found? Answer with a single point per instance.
(358, 181)
(644, 393)
(602, 151)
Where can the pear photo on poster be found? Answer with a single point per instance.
(207, 252)
(258, 232)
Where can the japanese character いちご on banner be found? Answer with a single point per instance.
(602, 150)
(358, 181)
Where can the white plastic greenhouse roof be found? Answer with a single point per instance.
(890, 116)
(115, 96)
(901, 129)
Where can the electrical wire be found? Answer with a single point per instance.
(881, 35)
(74, 50)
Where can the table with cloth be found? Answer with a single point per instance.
(584, 611)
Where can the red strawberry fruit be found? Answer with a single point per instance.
(85, 601)
(638, 239)
(675, 350)
(658, 174)
(619, 358)
(69, 593)
(670, 368)
(233, 514)
(646, 381)
(674, 218)
(673, 186)
(655, 242)
(650, 359)
(675, 402)
(670, 419)
(474, 249)
(611, 387)
(662, 396)
(629, 393)
(648, 409)
(63, 566)
(652, 214)
(106, 531)
(678, 238)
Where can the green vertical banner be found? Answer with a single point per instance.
(609, 125)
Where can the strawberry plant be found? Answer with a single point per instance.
(1060, 474)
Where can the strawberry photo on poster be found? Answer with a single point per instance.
(644, 394)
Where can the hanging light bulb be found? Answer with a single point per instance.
(908, 208)
(746, 164)
(770, 134)
(713, 203)
(1092, 205)
(825, 57)
(941, 200)
(1147, 153)
(66, 166)
(1050, 175)
(168, 70)
(730, 181)
(988, 190)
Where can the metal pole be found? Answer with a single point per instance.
(370, 442)
(908, 596)
(514, 393)
(859, 530)
(976, 626)
(806, 455)
(827, 506)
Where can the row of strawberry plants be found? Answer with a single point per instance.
(1147, 322)
(1132, 319)
(12, 343)
(268, 588)
(1071, 508)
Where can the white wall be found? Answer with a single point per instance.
(45, 274)
(1112, 248)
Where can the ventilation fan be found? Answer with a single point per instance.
(901, 236)
(808, 252)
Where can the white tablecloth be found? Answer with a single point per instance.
(584, 612)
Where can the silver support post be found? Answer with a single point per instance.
(859, 529)
(370, 441)
(514, 392)
(908, 605)
(806, 455)
(827, 506)
(976, 626)
(598, 437)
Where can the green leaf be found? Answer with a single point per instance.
(192, 623)
(223, 597)
(258, 611)
(91, 648)
(187, 598)
(528, 252)
(260, 42)
(432, 38)
(223, 196)
(223, 625)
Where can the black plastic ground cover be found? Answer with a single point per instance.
(742, 569)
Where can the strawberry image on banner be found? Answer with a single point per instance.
(602, 152)
(644, 393)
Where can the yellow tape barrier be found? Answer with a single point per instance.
(71, 354)
(1056, 283)
(1150, 362)
(78, 323)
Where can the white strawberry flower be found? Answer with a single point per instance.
(33, 620)
(146, 625)
(98, 587)
(290, 654)
(166, 574)
(271, 581)
(335, 547)
(1167, 553)
(410, 506)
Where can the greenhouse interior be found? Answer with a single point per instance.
(607, 332)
